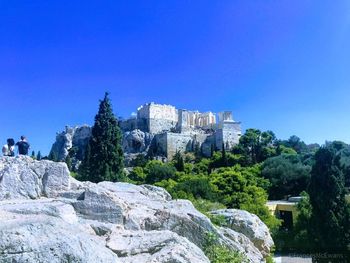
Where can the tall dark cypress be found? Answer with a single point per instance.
(179, 162)
(104, 155)
(224, 160)
(330, 212)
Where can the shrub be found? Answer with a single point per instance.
(157, 171)
(218, 253)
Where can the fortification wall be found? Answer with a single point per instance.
(177, 142)
(132, 124)
(157, 111)
(228, 134)
(225, 116)
(165, 112)
(160, 125)
(160, 144)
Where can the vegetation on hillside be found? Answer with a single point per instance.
(259, 168)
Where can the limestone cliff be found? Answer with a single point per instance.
(72, 141)
(48, 216)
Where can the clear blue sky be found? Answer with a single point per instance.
(278, 65)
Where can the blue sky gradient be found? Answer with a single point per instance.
(278, 65)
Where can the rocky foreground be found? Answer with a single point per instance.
(48, 216)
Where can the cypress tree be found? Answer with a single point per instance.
(223, 156)
(103, 159)
(38, 156)
(212, 150)
(329, 223)
(53, 156)
(179, 162)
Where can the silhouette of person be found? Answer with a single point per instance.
(23, 146)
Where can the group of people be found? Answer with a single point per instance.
(9, 148)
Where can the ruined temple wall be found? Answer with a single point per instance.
(191, 119)
(207, 119)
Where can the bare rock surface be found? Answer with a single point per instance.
(23, 177)
(48, 216)
(249, 225)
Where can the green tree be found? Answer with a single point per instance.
(329, 222)
(53, 156)
(243, 188)
(296, 143)
(202, 166)
(282, 149)
(103, 159)
(33, 155)
(224, 161)
(137, 175)
(140, 160)
(287, 175)
(256, 146)
(219, 253)
(157, 171)
(301, 235)
(296, 239)
(179, 162)
(68, 161)
(212, 149)
(38, 156)
(196, 186)
(345, 164)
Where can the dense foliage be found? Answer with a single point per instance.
(218, 253)
(223, 179)
(330, 217)
(258, 168)
(288, 175)
(104, 156)
(323, 223)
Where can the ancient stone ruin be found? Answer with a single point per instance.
(160, 130)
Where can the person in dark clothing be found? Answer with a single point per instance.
(23, 146)
(9, 148)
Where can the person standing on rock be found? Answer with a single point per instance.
(23, 146)
(9, 148)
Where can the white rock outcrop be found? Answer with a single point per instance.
(23, 177)
(48, 216)
(249, 225)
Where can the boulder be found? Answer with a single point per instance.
(23, 177)
(154, 246)
(37, 238)
(249, 225)
(48, 216)
(241, 243)
(136, 141)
